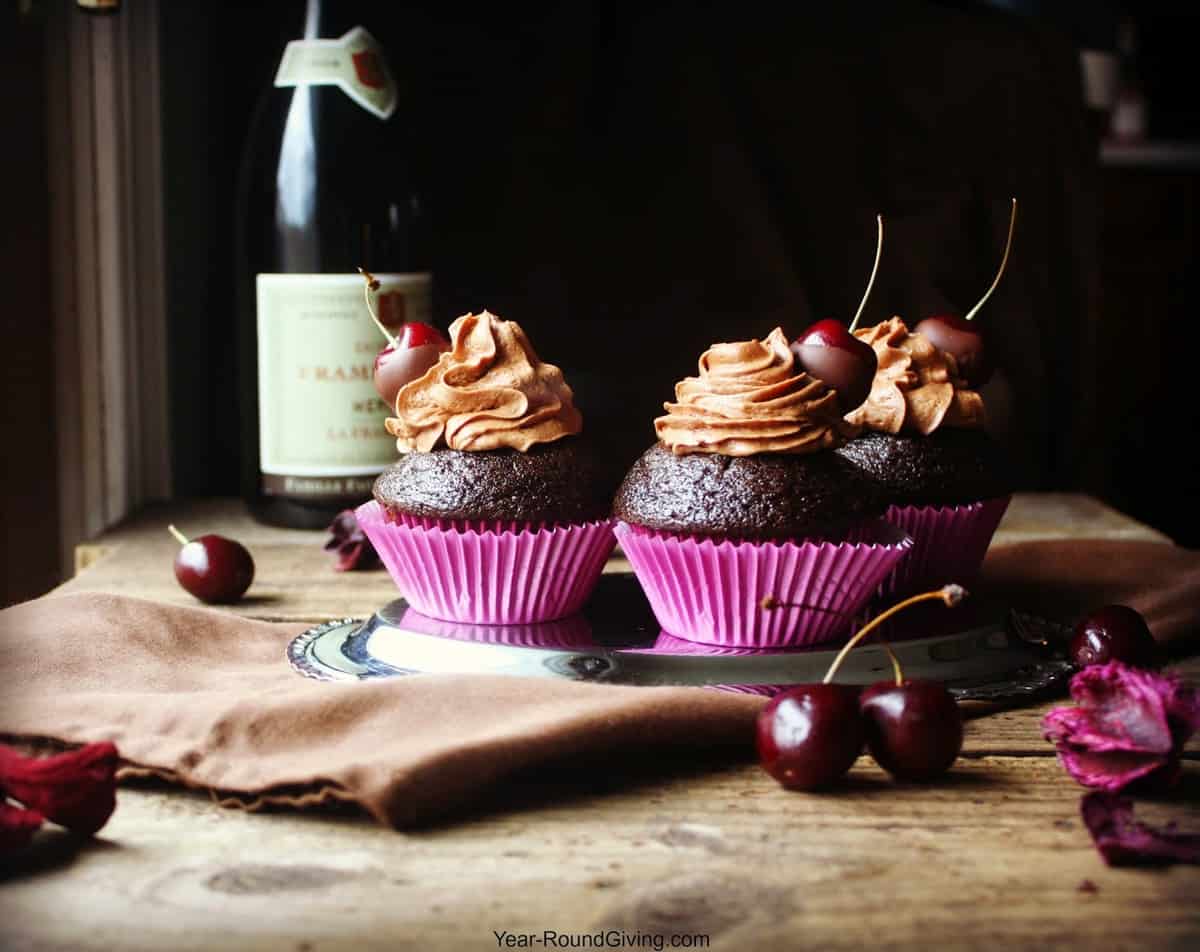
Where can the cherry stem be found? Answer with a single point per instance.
(179, 536)
(874, 270)
(373, 285)
(950, 595)
(1012, 222)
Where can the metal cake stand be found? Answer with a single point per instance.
(988, 654)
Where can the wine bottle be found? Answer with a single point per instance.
(327, 184)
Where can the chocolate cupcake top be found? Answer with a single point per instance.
(917, 387)
(488, 392)
(761, 497)
(554, 483)
(750, 398)
(949, 467)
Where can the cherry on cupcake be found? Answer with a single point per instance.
(808, 737)
(213, 568)
(407, 355)
(958, 337)
(1113, 633)
(832, 354)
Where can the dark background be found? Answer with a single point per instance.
(632, 182)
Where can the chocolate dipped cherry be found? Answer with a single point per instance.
(407, 355)
(832, 354)
(1113, 633)
(958, 337)
(809, 736)
(961, 340)
(213, 568)
(829, 352)
(413, 351)
(914, 728)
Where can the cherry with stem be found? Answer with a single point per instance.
(809, 736)
(958, 337)
(213, 568)
(831, 352)
(407, 355)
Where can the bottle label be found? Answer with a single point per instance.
(354, 62)
(320, 421)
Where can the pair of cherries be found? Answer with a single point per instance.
(809, 736)
(831, 353)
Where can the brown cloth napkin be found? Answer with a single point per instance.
(206, 698)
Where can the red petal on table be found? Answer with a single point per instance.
(353, 548)
(17, 826)
(77, 789)
(1123, 841)
(1130, 725)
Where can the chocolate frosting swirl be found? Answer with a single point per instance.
(916, 387)
(489, 391)
(751, 398)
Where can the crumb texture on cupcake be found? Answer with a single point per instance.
(951, 467)
(557, 483)
(760, 497)
(488, 392)
(917, 387)
(748, 399)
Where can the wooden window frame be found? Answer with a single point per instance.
(108, 296)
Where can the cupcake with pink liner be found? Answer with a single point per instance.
(495, 513)
(743, 527)
(923, 445)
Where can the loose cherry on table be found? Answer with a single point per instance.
(832, 354)
(914, 729)
(809, 736)
(407, 355)
(958, 337)
(1113, 633)
(213, 568)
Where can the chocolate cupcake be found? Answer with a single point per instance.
(742, 500)
(923, 445)
(495, 513)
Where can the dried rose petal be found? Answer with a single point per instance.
(353, 548)
(77, 789)
(17, 826)
(1130, 724)
(1122, 841)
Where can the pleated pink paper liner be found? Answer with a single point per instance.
(489, 575)
(949, 543)
(713, 592)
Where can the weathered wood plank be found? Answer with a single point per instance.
(995, 856)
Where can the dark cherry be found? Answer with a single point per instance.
(961, 339)
(417, 348)
(914, 729)
(213, 568)
(832, 354)
(810, 735)
(1113, 633)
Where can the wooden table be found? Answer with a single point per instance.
(995, 856)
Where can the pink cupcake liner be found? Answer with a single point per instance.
(949, 543)
(489, 577)
(712, 592)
